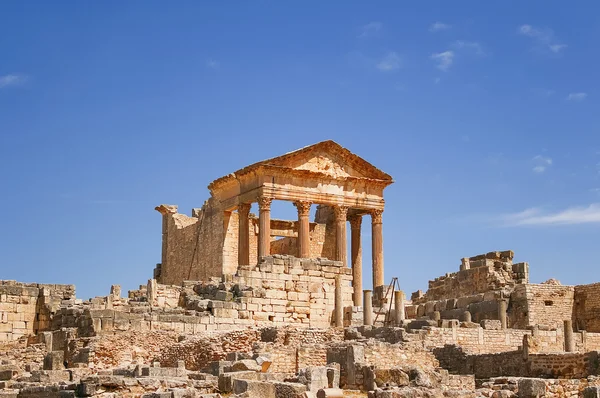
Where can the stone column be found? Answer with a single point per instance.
(264, 227)
(502, 305)
(244, 234)
(340, 234)
(377, 236)
(338, 303)
(356, 249)
(568, 332)
(303, 228)
(399, 306)
(368, 308)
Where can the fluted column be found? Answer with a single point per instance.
(377, 251)
(356, 257)
(264, 227)
(303, 228)
(340, 234)
(244, 234)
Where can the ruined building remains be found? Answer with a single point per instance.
(233, 311)
(223, 235)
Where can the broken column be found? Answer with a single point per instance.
(368, 308)
(568, 332)
(264, 228)
(502, 306)
(356, 249)
(339, 304)
(303, 228)
(244, 234)
(399, 306)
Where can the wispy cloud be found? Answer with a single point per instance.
(212, 63)
(576, 96)
(543, 38)
(391, 61)
(438, 26)
(12, 80)
(444, 59)
(370, 29)
(541, 163)
(569, 216)
(469, 45)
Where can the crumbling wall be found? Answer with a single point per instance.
(479, 274)
(28, 308)
(541, 304)
(587, 307)
(517, 363)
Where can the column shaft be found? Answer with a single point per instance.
(303, 229)
(356, 251)
(340, 234)
(377, 250)
(399, 306)
(502, 306)
(264, 227)
(339, 305)
(568, 332)
(244, 234)
(368, 308)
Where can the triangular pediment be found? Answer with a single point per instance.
(329, 158)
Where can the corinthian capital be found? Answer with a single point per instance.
(303, 208)
(264, 203)
(376, 216)
(355, 221)
(340, 212)
(244, 209)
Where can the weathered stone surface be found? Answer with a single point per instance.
(532, 388)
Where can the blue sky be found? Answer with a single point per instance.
(483, 113)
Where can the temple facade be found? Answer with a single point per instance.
(223, 235)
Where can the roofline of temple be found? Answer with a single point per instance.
(355, 161)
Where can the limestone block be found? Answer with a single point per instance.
(254, 389)
(330, 393)
(532, 388)
(225, 381)
(246, 364)
(289, 390)
(591, 392)
(491, 324)
(54, 360)
(85, 389)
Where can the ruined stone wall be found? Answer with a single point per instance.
(479, 274)
(206, 244)
(587, 307)
(543, 304)
(27, 308)
(517, 363)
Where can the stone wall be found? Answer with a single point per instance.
(282, 290)
(587, 307)
(205, 245)
(517, 363)
(543, 304)
(479, 274)
(28, 308)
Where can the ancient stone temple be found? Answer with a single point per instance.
(223, 234)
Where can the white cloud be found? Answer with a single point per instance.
(212, 64)
(391, 61)
(370, 29)
(541, 163)
(576, 96)
(12, 80)
(543, 38)
(436, 27)
(444, 59)
(569, 216)
(469, 45)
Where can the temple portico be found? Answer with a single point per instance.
(343, 185)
